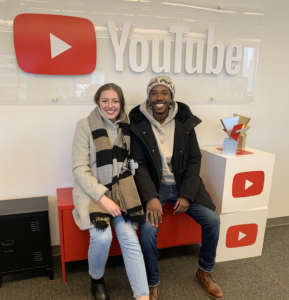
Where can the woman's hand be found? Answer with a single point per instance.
(111, 206)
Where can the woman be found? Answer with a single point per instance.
(104, 191)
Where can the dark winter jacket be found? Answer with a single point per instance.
(186, 159)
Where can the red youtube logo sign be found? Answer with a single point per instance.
(248, 184)
(54, 45)
(241, 235)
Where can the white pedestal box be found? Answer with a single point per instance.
(240, 182)
(241, 234)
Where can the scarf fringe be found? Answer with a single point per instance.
(134, 219)
(100, 225)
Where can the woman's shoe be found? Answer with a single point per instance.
(98, 289)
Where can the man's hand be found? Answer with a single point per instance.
(111, 206)
(154, 208)
(182, 205)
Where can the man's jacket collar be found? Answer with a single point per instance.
(184, 116)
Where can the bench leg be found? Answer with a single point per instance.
(63, 271)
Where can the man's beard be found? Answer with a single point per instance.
(160, 113)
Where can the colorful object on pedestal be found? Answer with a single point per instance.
(236, 128)
(242, 138)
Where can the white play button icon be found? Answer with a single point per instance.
(248, 184)
(241, 235)
(57, 46)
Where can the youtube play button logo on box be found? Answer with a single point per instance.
(247, 184)
(241, 235)
(54, 45)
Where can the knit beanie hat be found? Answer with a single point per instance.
(161, 80)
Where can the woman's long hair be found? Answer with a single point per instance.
(118, 90)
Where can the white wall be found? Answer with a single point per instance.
(35, 141)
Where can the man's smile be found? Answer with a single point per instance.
(159, 105)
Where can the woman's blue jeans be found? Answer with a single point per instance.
(100, 241)
(207, 218)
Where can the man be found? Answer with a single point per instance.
(164, 143)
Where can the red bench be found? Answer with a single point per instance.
(175, 230)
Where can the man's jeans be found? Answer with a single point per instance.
(207, 218)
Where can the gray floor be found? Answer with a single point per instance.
(264, 277)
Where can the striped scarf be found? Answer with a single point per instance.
(112, 171)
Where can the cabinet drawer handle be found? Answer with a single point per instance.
(8, 246)
(7, 243)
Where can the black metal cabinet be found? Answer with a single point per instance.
(24, 236)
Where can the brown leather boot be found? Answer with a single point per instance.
(154, 292)
(209, 285)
